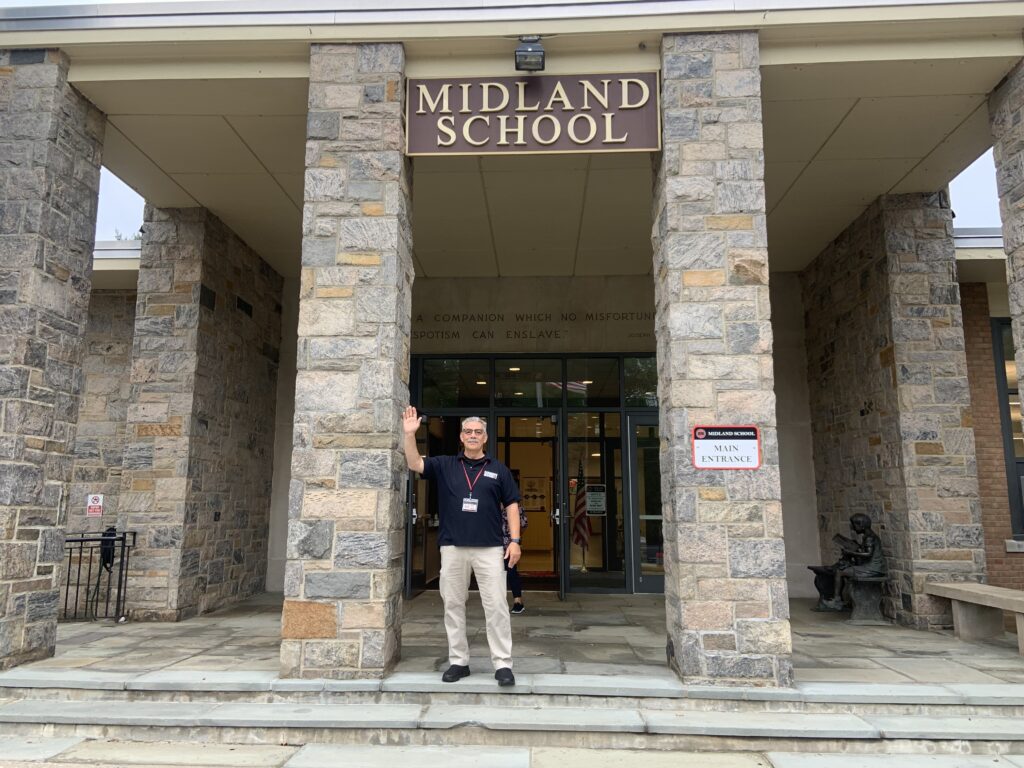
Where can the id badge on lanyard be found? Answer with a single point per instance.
(469, 504)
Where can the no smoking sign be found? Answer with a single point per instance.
(94, 505)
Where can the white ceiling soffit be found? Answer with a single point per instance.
(838, 135)
(233, 146)
(534, 215)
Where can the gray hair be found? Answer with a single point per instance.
(478, 419)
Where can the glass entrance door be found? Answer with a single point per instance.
(530, 446)
(593, 530)
(648, 564)
(581, 434)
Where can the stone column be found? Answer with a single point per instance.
(197, 466)
(343, 577)
(1006, 116)
(725, 581)
(890, 400)
(51, 140)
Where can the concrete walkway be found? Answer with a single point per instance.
(585, 635)
(71, 753)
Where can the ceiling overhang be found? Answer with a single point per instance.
(852, 110)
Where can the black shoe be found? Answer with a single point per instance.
(505, 677)
(518, 608)
(454, 672)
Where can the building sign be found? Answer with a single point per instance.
(94, 505)
(597, 501)
(726, 448)
(530, 114)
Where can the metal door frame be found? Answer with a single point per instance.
(636, 584)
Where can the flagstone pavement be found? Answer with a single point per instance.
(586, 634)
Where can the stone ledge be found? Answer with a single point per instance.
(877, 693)
(603, 685)
(22, 677)
(760, 724)
(1004, 694)
(593, 720)
(187, 680)
(352, 686)
(598, 686)
(313, 716)
(430, 682)
(533, 718)
(965, 728)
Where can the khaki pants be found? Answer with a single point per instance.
(457, 563)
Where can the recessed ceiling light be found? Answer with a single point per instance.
(519, 394)
(513, 370)
(482, 383)
(596, 455)
(587, 381)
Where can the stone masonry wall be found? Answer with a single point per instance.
(726, 599)
(890, 402)
(1006, 119)
(346, 533)
(102, 417)
(51, 140)
(198, 463)
(1004, 569)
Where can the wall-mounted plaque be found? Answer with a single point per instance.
(533, 113)
(726, 447)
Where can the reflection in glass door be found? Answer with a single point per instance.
(439, 435)
(593, 535)
(645, 496)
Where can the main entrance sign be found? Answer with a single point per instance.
(531, 114)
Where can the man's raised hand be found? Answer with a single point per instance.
(410, 421)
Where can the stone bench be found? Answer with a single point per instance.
(866, 599)
(978, 609)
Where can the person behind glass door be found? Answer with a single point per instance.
(472, 488)
(515, 581)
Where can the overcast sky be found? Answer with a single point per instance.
(973, 193)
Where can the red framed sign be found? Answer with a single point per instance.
(726, 447)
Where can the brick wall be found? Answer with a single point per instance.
(99, 445)
(1005, 569)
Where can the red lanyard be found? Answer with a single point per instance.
(471, 484)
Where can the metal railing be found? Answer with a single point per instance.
(96, 574)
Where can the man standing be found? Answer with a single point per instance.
(472, 488)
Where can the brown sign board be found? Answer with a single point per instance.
(529, 114)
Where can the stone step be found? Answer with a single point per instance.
(78, 751)
(598, 690)
(414, 717)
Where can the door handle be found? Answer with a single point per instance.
(556, 517)
(415, 516)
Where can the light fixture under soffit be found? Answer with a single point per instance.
(529, 54)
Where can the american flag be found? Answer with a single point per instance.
(580, 522)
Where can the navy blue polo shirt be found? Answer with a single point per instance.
(493, 489)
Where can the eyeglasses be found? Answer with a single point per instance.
(472, 431)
